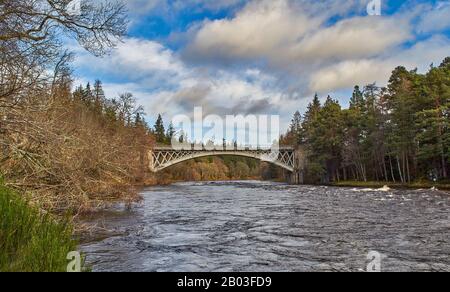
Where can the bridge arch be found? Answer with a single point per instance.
(161, 159)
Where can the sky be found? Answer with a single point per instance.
(263, 56)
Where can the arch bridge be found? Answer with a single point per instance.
(287, 158)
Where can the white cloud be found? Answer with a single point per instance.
(308, 52)
(364, 71)
(283, 52)
(141, 55)
(164, 84)
(435, 19)
(347, 74)
(222, 94)
(350, 39)
(137, 60)
(282, 32)
(260, 30)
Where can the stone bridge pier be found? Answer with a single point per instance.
(297, 176)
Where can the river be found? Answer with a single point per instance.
(262, 226)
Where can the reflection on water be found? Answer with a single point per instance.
(262, 226)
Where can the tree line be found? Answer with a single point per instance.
(398, 133)
(217, 168)
(65, 150)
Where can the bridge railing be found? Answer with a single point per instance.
(219, 148)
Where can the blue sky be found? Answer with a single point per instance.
(263, 56)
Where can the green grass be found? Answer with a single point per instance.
(30, 241)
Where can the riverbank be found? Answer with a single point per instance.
(415, 185)
(29, 240)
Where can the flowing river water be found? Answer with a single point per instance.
(262, 226)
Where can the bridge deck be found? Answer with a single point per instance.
(169, 148)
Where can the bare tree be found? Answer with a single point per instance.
(50, 144)
(96, 25)
(32, 34)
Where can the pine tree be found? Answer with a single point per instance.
(160, 131)
(78, 93)
(139, 120)
(374, 134)
(402, 103)
(329, 137)
(88, 97)
(357, 100)
(296, 128)
(112, 111)
(310, 116)
(432, 121)
(399, 132)
(445, 65)
(170, 133)
(99, 96)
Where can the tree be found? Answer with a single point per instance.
(357, 100)
(328, 136)
(30, 40)
(241, 170)
(139, 121)
(96, 26)
(87, 96)
(52, 141)
(402, 105)
(127, 109)
(170, 133)
(433, 124)
(310, 116)
(78, 93)
(401, 132)
(296, 128)
(375, 136)
(445, 65)
(99, 96)
(159, 130)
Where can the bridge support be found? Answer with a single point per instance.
(297, 177)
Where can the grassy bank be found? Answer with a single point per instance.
(445, 185)
(30, 241)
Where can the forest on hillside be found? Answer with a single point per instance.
(400, 133)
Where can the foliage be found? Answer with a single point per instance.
(30, 241)
(78, 151)
(400, 133)
(212, 169)
(69, 151)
